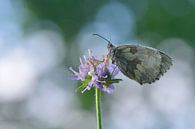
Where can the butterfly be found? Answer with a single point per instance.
(140, 63)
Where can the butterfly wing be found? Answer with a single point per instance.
(142, 64)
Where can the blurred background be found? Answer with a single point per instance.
(41, 39)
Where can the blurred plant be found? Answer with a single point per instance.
(98, 74)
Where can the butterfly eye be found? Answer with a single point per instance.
(110, 46)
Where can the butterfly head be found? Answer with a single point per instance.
(110, 46)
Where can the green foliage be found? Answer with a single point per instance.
(69, 15)
(162, 22)
(84, 83)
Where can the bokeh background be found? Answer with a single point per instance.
(41, 39)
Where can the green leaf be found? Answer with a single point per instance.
(84, 83)
(114, 81)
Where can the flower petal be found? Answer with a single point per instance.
(113, 69)
(74, 77)
(101, 69)
(109, 89)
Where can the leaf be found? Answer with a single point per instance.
(84, 83)
(114, 81)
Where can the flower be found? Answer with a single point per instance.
(95, 73)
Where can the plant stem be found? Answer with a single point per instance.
(98, 112)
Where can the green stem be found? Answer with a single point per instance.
(98, 112)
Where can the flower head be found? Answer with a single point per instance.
(95, 73)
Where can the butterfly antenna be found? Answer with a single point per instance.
(102, 37)
(110, 37)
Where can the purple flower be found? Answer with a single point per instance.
(95, 73)
(83, 70)
(101, 69)
(109, 89)
(113, 69)
(93, 82)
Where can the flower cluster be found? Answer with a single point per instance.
(96, 73)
